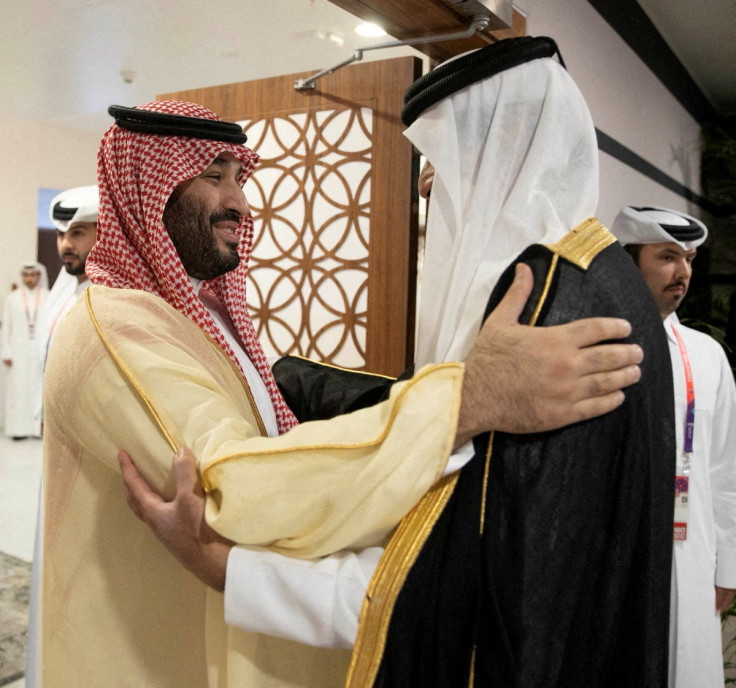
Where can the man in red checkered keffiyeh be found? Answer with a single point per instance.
(169, 265)
(138, 172)
(162, 350)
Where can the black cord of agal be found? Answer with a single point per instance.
(165, 124)
(692, 231)
(63, 214)
(481, 64)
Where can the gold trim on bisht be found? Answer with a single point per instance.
(388, 579)
(581, 245)
(545, 291)
(126, 373)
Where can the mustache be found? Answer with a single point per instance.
(677, 283)
(225, 216)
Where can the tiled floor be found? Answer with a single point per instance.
(20, 476)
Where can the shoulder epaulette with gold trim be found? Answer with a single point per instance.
(583, 243)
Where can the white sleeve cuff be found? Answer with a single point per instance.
(315, 602)
(459, 458)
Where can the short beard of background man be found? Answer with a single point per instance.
(74, 214)
(663, 244)
(162, 370)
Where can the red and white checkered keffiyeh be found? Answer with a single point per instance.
(137, 174)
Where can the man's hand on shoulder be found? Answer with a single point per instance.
(523, 379)
(179, 524)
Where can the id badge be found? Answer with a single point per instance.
(682, 488)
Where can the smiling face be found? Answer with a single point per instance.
(202, 218)
(667, 270)
(74, 246)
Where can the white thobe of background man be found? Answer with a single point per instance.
(664, 244)
(21, 314)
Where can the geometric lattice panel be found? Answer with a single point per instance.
(310, 199)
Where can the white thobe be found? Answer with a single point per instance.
(708, 556)
(20, 320)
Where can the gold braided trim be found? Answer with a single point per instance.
(545, 292)
(388, 579)
(582, 244)
(126, 373)
(471, 679)
(337, 367)
(486, 469)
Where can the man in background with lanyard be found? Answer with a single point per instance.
(20, 323)
(663, 244)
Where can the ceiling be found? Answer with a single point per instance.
(62, 61)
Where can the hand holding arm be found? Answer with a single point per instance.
(179, 524)
(524, 379)
(327, 592)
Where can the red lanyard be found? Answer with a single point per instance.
(690, 412)
(31, 319)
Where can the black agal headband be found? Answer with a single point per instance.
(481, 64)
(150, 122)
(692, 231)
(61, 213)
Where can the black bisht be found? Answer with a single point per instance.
(568, 584)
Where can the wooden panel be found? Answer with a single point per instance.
(392, 272)
(408, 18)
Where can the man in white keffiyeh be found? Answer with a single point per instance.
(664, 244)
(547, 561)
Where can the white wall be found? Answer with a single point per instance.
(627, 102)
(36, 156)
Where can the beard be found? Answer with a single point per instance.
(78, 268)
(190, 226)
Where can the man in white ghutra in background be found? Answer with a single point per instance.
(19, 326)
(663, 244)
